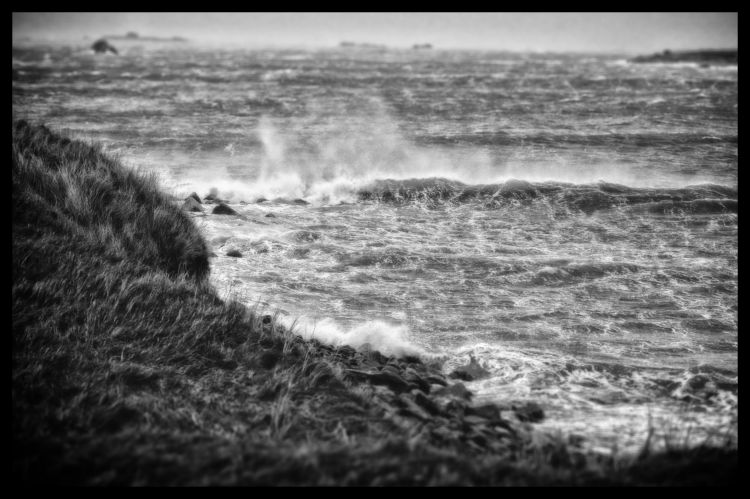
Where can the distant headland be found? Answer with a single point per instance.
(133, 36)
(703, 57)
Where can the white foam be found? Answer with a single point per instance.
(389, 339)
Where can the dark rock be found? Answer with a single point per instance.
(234, 253)
(267, 319)
(411, 359)
(243, 202)
(392, 381)
(530, 412)
(436, 380)
(470, 371)
(426, 402)
(411, 376)
(490, 412)
(102, 46)
(455, 390)
(411, 408)
(705, 57)
(270, 215)
(223, 209)
(195, 196)
(391, 369)
(261, 200)
(300, 201)
(191, 204)
(473, 419)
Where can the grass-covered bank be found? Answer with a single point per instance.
(128, 369)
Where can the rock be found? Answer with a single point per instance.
(300, 201)
(470, 371)
(490, 412)
(455, 390)
(223, 209)
(102, 46)
(436, 380)
(473, 419)
(191, 204)
(411, 376)
(195, 196)
(267, 319)
(234, 253)
(413, 409)
(392, 381)
(261, 200)
(530, 412)
(412, 359)
(426, 402)
(391, 369)
(270, 215)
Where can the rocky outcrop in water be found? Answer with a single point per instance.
(223, 209)
(703, 57)
(102, 46)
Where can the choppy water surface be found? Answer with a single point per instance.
(570, 221)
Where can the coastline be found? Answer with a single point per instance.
(128, 369)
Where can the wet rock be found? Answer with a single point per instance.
(261, 200)
(436, 380)
(102, 46)
(391, 369)
(457, 390)
(411, 359)
(470, 372)
(300, 201)
(223, 209)
(234, 253)
(426, 402)
(267, 319)
(191, 204)
(392, 381)
(410, 407)
(530, 412)
(195, 196)
(490, 412)
(411, 376)
(270, 215)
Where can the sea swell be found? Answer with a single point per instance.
(703, 198)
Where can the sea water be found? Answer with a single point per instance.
(569, 220)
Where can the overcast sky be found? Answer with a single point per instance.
(517, 31)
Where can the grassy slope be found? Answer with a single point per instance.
(128, 369)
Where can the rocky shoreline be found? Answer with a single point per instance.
(128, 369)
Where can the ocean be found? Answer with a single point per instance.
(567, 220)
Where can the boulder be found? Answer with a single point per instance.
(392, 381)
(102, 46)
(191, 204)
(234, 253)
(458, 390)
(529, 412)
(223, 209)
(470, 371)
(270, 215)
(195, 196)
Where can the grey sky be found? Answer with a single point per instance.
(587, 32)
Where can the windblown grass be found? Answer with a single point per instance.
(128, 369)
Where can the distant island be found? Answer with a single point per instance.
(703, 57)
(346, 44)
(132, 35)
(422, 46)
